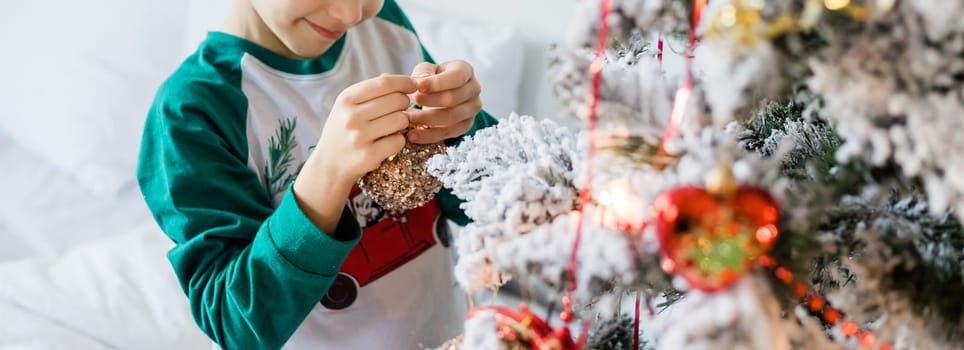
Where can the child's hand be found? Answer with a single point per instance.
(362, 130)
(363, 127)
(450, 94)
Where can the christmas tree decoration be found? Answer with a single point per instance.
(612, 334)
(520, 176)
(619, 208)
(744, 20)
(751, 22)
(402, 181)
(454, 344)
(712, 240)
(818, 306)
(786, 181)
(525, 330)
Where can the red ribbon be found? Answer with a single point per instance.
(679, 106)
(659, 49)
(683, 94)
(585, 195)
(636, 322)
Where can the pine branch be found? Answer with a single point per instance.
(613, 334)
(904, 262)
(815, 140)
(280, 149)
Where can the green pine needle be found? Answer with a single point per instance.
(280, 148)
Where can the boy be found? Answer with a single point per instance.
(249, 156)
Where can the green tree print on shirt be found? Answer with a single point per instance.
(280, 148)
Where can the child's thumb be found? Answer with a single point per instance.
(423, 70)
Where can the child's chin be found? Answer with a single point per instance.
(311, 51)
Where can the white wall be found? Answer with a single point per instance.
(541, 22)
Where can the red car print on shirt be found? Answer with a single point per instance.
(388, 242)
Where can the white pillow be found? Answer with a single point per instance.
(119, 293)
(79, 77)
(496, 52)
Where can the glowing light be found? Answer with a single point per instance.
(629, 210)
(729, 277)
(784, 275)
(849, 328)
(831, 316)
(885, 5)
(834, 5)
(867, 339)
(605, 198)
(815, 303)
(754, 4)
(766, 234)
(767, 261)
(811, 14)
(728, 15)
(668, 265)
(670, 212)
(597, 65)
(703, 244)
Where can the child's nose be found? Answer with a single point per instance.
(348, 12)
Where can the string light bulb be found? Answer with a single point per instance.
(834, 5)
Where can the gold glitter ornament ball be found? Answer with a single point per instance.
(402, 182)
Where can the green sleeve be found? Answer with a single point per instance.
(449, 202)
(251, 272)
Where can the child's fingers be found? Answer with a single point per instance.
(386, 147)
(377, 87)
(439, 134)
(450, 75)
(375, 108)
(450, 98)
(424, 69)
(446, 116)
(387, 125)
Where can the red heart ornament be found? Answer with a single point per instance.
(713, 240)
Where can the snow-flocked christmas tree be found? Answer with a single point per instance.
(799, 186)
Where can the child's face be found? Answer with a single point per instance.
(309, 27)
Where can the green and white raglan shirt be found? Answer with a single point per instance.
(224, 140)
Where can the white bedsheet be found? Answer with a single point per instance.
(23, 334)
(118, 293)
(78, 271)
(44, 212)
